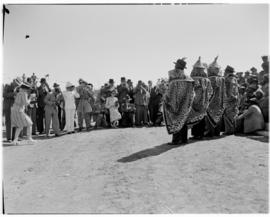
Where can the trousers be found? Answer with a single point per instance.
(70, 113)
(51, 114)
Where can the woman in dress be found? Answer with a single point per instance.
(113, 105)
(19, 119)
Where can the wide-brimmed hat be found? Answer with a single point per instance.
(42, 80)
(229, 69)
(68, 84)
(18, 81)
(181, 63)
(26, 85)
(253, 69)
(82, 81)
(55, 85)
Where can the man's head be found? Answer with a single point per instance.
(43, 82)
(123, 80)
(90, 86)
(111, 82)
(150, 83)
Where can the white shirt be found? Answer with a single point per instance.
(69, 97)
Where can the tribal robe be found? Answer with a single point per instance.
(178, 100)
(216, 106)
(203, 93)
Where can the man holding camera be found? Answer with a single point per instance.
(51, 112)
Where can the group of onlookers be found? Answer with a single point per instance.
(40, 107)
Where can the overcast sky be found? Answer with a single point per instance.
(98, 42)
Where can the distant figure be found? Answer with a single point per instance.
(27, 36)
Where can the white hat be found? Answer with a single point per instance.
(68, 84)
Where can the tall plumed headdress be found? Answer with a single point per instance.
(214, 68)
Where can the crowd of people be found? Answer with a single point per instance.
(208, 101)
(32, 107)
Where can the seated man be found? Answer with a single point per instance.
(252, 119)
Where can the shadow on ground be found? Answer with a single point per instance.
(259, 138)
(160, 149)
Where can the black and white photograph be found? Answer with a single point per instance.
(135, 108)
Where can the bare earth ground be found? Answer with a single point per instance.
(134, 171)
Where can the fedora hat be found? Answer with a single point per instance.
(181, 63)
(68, 84)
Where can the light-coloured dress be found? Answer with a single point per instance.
(18, 116)
(111, 105)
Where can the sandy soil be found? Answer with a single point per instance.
(136, 171)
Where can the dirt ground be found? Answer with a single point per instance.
(134, 170)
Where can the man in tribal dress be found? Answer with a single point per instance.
(216, 106)
(177, 103)
(203, 92)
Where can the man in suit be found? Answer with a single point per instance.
(153, 103)
(43, 89)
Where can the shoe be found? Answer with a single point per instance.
(31, 141)
(15, 142)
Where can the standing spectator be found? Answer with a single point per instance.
(153, 105)
(51, 113)
(32, 107)
(60, 108)
(264, 102)
(122, 90)
(43, 90)
(231, 101)
(84, 107)
(91, 99)
(112, 104)
(9, 97)
(140, 102)
(130, 90)
(19, 118)
(69, 104)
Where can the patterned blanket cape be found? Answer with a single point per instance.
(216, 106)
(177, 104)
(203, 93)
